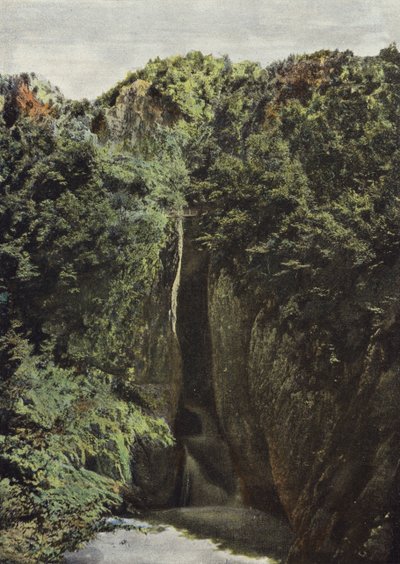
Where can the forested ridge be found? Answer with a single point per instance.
(293, 171)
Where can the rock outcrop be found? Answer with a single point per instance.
(310, 436)
(156, 471)
(138, 110)
(273, 355)
(329, 449)
(318, 449)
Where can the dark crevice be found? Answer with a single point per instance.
(207, 476)
(187, 423)
(192, 327)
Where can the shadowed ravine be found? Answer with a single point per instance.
(208, 476)
(211, 499)
(210, 505)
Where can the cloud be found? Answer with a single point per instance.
(84, 46)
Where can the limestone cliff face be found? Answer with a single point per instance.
(137, 111)
(328, 448)
(313, 440)
(159, 378)
(306, 441)
(231, 321)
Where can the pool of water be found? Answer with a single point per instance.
(202, 535)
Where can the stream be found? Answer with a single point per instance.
(218, 535)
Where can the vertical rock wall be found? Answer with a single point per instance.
(320, 447)
(328, 447)
(231, 321)
(155, 471)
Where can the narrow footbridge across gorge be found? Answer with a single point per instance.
(191, 211)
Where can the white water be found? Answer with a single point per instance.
(208, 477)
(155, 545)
(177, 280)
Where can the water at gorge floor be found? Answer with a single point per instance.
(218, 535)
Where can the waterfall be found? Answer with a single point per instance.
(184, 499)
(177, 280)
(208, 476)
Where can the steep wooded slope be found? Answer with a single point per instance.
(293, 172)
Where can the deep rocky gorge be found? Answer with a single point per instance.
(256, 430)
(199, 305)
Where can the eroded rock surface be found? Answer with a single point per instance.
(328, 448)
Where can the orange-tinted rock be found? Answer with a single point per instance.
(29, 105)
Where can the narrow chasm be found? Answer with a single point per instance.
(208, 477)
(208, 501)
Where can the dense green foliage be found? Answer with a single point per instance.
(294, 170)
(64, 458)
(307, 209)
(81, 233)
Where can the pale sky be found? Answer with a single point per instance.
(85, 46)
